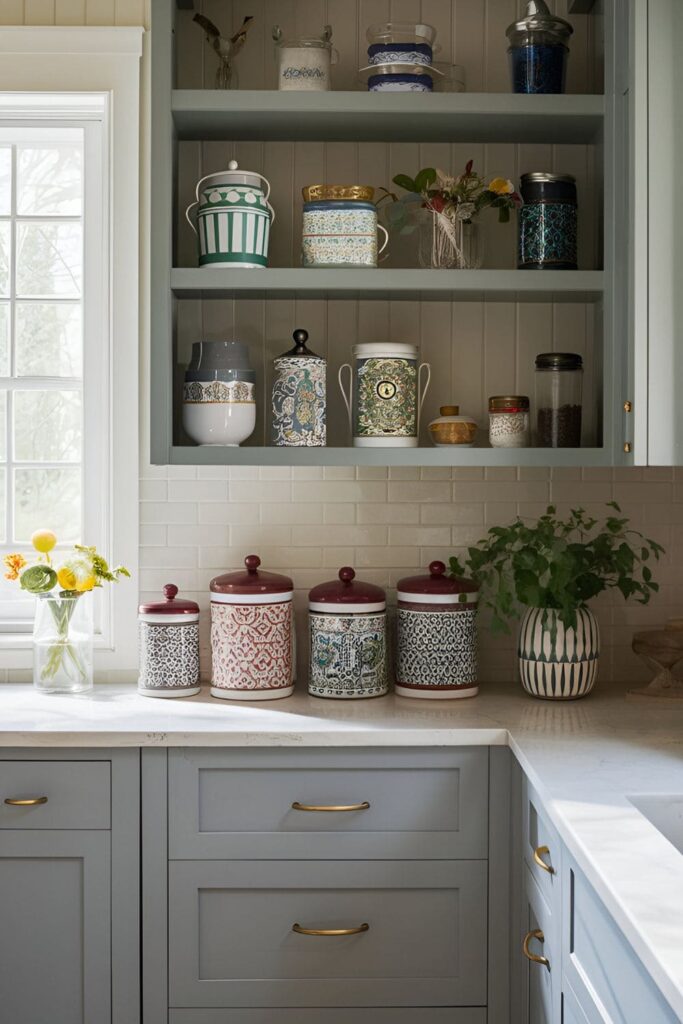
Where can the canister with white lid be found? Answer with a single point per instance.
(437, 637)
(348, 638)
(169, 646)
(252, 634)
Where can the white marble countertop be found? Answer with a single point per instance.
(584, 759)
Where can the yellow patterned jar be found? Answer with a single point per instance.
(450, 428)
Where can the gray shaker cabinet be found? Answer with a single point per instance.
(69, 887)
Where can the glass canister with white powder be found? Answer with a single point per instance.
(304, 63)
(509, 421)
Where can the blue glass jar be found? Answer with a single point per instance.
(548, 222)
(538, 50)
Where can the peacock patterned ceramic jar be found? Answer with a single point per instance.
(169, 646)
(348, 639)
(383, 402)
(252, 634)
(437, 637)
(299, 396)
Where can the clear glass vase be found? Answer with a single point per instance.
(63, 644)
(448, 245)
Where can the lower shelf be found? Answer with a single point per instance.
(253, 456)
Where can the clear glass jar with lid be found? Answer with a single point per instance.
(559, 383)
(538, 50)
(304, 63)
(509, 421)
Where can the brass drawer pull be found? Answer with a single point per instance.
(30, 802)
(296, 806)
(539, 853)
(542, 960)
(330, 931)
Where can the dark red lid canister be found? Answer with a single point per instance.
(171, 606)
(437, 588)
(252, 582)
(347, 594)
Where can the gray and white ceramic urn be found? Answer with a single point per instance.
(436, 636)
(557, 662)
(348, 639)
(169, 646)
(299, 398)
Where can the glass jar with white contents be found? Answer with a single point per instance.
(509, 421)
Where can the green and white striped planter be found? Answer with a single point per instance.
(233, 226)
(565, 669)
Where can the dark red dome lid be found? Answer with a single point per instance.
(346, 590)
(171, 606)
(252, 581)
(436, 583)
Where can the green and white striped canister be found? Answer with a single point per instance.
(556, 663)
(234, 227)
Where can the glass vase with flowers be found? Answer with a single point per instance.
(62, 631)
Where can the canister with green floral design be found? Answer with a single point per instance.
(233, 218)
(386, 392)
(347, 620)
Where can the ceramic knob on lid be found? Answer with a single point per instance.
(436, 635)
(252, 634)
(169, 646)
(348, 638)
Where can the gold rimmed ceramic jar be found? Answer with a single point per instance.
(362, 193)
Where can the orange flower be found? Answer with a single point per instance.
(14, 563)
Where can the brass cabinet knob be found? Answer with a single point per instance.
(29, 802)
(535, 934)
(539, 853)
(330, 931)
(296, 806)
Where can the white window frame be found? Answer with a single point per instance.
(80, 62)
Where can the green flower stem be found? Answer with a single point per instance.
(62, 612)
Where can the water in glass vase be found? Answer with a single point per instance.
(63, 644)
(445, 244)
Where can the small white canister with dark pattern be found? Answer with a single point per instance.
(437, 636)
(169, 647)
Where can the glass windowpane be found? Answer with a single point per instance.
(5, 250)
(49, 259)
(47, 498)
(49, 180)
(47, 426)
(4, 338)
(48, 339)
(3, 505)
(5, 181)
(3, 426)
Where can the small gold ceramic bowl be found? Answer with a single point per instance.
(313, 193)
(451, 428)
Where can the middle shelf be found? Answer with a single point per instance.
(582, 286)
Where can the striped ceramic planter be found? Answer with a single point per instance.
(566, 669)
(233, 225)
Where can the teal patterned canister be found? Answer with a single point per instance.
(233, 218)
(383, 401)
(299, 397)
(348, 639)
(548, 222)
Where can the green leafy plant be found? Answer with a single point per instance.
(559, 563)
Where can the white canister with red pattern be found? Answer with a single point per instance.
(252, 634)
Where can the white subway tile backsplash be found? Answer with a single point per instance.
(307, 522)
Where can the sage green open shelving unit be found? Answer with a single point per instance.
(210, 115)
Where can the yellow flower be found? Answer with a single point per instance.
(502, 187)
(77, 575)
(14, 564)
(43, 541)
(66, 578)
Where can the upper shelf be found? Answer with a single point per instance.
(414, 285)
(213, 114)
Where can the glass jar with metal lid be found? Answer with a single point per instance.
(538, 50)
(559, 381)
(169, 646)
(437, 636)
(347, 620)
(509, 421)
(548, 222)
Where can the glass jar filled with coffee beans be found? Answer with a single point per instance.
(559, 382)
(509, 421)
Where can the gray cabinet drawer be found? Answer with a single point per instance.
(78, 794)
(600, 965)
(420, 1015)
(231, 941)
(542, 847)
(544, 981)
(414, 804)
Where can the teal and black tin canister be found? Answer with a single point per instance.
(436, 652)
(347, 620)
(548, 222)
(299, 397)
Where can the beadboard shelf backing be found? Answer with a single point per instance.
(411, 285)
(271, 116)
(211, 455)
